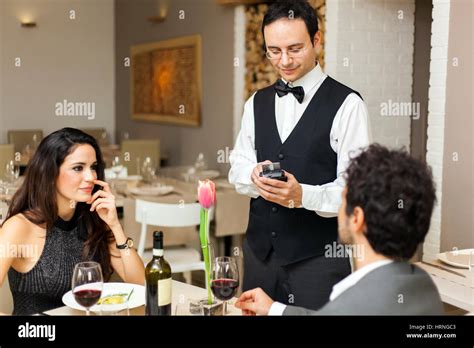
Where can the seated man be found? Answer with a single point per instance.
(385, 215)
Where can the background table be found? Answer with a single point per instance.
(230, 215)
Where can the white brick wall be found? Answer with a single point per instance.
(436, 114)
(369, 48)
(239, 68)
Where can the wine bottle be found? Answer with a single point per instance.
(158, 280)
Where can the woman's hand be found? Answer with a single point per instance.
(103, 201)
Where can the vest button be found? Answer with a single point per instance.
(274, 209)
(281, 156)
(274, 234)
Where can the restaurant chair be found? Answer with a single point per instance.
(21, 138)
(182, 259)
(134, 152)
(6, 299)
(7, 153)
(99, 134)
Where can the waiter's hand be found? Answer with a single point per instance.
(258, 169)
(254, 302)
(288, 194)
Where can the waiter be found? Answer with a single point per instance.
(311, 124)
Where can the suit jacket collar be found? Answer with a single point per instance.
(353, 278)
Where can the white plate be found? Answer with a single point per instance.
(457, 258)
(151, 190)
(132, 178)
(136, 300)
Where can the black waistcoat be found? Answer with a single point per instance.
(295, 234)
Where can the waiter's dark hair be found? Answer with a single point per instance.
(292, 10)
(397, 194)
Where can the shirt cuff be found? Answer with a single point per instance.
(243, 175)
(277, 308)
(311, 200)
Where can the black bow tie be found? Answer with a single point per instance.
(283, 89)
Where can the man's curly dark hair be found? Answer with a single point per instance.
(397, 194)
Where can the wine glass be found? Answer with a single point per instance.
(116, 166)
(200, 163)
(12, 171)
(224, 278)
(148, 170)
(87, 284)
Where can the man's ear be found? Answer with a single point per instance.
(317, 39)
(358, 220)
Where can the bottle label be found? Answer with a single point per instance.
(158, 252)
(164, 292)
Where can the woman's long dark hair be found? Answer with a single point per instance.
(36, 198)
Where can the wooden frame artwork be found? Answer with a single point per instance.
(166, 81)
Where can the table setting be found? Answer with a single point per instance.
(177, 185)
(453, 274)
(91, 296)
(89, 293)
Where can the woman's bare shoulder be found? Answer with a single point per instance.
(16, 228)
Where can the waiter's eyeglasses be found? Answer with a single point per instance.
(276, 54)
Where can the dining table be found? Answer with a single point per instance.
(230, 216)
(181, 295)
(455, 285)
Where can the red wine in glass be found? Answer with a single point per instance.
(87, 298)
(224, 278)
(87, 284)
(224, 289)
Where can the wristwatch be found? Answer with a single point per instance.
(127, 245)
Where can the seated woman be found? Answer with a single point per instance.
(64, 213)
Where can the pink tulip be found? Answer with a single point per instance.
(207, 193)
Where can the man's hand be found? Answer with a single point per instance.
(254, 302)
(288, 194)
(258, 169)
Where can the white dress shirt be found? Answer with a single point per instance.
(278, 308)
(349, 134)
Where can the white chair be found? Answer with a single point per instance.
(181, 259)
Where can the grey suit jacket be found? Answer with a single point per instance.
(398, 288)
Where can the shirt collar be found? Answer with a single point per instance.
(353, 278)
(310, 80)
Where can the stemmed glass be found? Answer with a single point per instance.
(148, 170)
(116, 166)
(224, 278)
(12, 171)
(87, 284)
